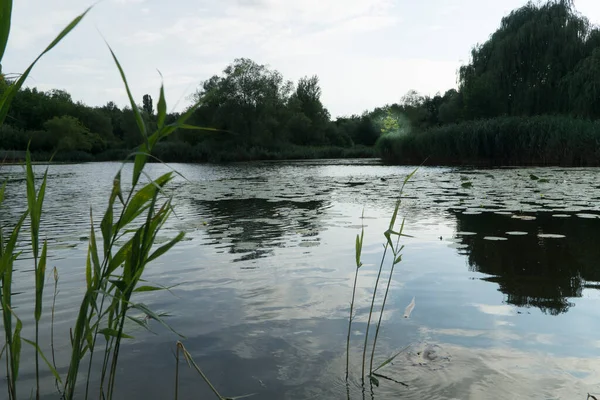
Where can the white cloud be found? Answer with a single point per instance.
(502, 310)
(366, 52)
(143, 38)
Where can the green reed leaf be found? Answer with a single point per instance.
(93, 249)
(120, 257)
(138, 165)
(50, 366)
(141, 322)
(2, 190)
(161, 107)
(40, 276)
(143, 308)
(5, 17)
(139, 201)
(146, 288)
(136, 112)
(163, 249)
(108, 332)
(12, 90)
(374, 380)
(392, 358)
(15, 351)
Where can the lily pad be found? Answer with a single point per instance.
(551, 236)
(517, 233)
(524, 217)
(588, 216)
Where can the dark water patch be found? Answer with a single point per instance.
(535, 270)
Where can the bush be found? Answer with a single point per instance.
(540, 140)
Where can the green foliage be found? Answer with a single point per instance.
(527, 66)
(251, 109)
(393, 246)
(68, 134)
(542, 68)
(540, 140)
(147, 104)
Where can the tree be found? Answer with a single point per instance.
(309, 119)
(68, 134)
(248, 100)
(519, 70)
(147, 104)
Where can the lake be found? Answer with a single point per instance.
(503, 264)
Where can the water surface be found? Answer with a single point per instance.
(503, 268)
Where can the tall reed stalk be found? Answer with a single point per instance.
(113, 271)
(358, 249)
(397, 258)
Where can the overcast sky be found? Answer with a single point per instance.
(366, 52)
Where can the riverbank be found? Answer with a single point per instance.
(181, 152)
(505, 141)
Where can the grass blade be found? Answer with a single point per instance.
(389, 360)
(143, 289)
(114, 333)
(143, 308)
(5, 17)
(50, 366)
(136, 112)
(161, 107)
(12, 90)
(163, 249)
(39, 281)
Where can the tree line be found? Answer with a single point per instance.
(531, 89)
(252, 111)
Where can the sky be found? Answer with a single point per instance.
(367, 53)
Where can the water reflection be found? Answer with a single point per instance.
(533, 268)
(253, 227)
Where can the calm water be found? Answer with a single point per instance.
(504, 269)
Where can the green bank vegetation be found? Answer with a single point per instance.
(257, 113)
(529, 95)
(120, 247)
(392, 235)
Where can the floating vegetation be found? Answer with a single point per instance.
(309, 244)
(467, 185)
(588, 216)
(533, 177)
(458, 246)
(524, 217)
(551, 236)
(517, 233)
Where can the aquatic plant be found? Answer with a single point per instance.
(393, 232)
(537, 140)
(114, 267)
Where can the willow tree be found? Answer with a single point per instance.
(521, 69)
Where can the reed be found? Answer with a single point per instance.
(390, 245)
(114, 267)
(505, 141)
